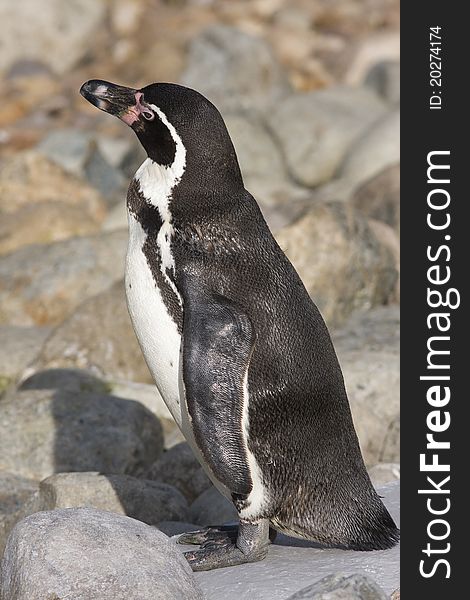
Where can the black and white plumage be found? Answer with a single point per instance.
(238, 350)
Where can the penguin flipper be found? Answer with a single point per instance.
(218, 340)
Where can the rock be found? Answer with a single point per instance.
(371, 50)
(88, 554)
(42, 224)
(341, 587)
(66, 380)
(379, 197)
(234, 69)
(20, 345)
(149, 396)
(48, 431)
(171, 528)
(29, 178)
(395, 595)
(59, 34)
(292, 564)
(44, 284)
(141, 499)
(384, 78)
(97, 337)
(368, 351)
(14, 492)
(342, 264)
(377, 149)
(211, 508)
(180, 468)
(264, 173)
(314, 130)
(78, 153)
(389, 239)
(384, 473)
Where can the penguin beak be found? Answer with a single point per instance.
(125, 103)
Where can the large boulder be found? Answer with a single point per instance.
(98, 337)
(341, 587)
(141, 499)
(234, 69)
(342, 264)
(58, 34)
(88, 554)
(44, 284)
(212, 508)
(179, 467)
(45, 431)
(315, 130)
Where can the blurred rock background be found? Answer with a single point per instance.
(309, 90)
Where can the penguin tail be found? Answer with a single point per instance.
(371, 528)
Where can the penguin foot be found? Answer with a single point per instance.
(224, 533)
(229, 546)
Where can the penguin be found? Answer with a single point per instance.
(236, 346)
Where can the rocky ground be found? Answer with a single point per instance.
(310, 94)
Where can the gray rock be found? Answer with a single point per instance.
(66, 380)
(368, 351)
(341, 587)
(97, 337)
(234, 69)
(171, 528)
(14, 492)
(86, 554)
(20, 345)
(379, 197)
(342, 264)
(377, 149)
(78, 153)
(149, 396)
(211, 508)
(141, 499)
(292, 564)
(44, 284)
(384, 473)
(180, 468)
(384, 78)
(315, 130)
(47, 431)
(58, 34)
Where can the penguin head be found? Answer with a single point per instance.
(169, 119)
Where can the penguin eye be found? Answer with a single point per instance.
(148, 115)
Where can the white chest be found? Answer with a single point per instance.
(155, 329)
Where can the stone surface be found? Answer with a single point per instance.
(98, 337)
(234, 69)
(58, 34)
(368, 351)
(141, 499)
(314, 130)
(45, 431)
(342, 264)
(384, 78)
(78, 153)
(44, 284)
(341, 587)
(377, 149)
(379, 197)
(14, 492)
(149, 396)
(212, 508)
(20, 345)
(180, 468)
(389, 239)
(383, 473)
(43, 224)
(292, 564)
(171, 528)
(86, 554)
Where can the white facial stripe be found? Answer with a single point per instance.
(157, 183)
